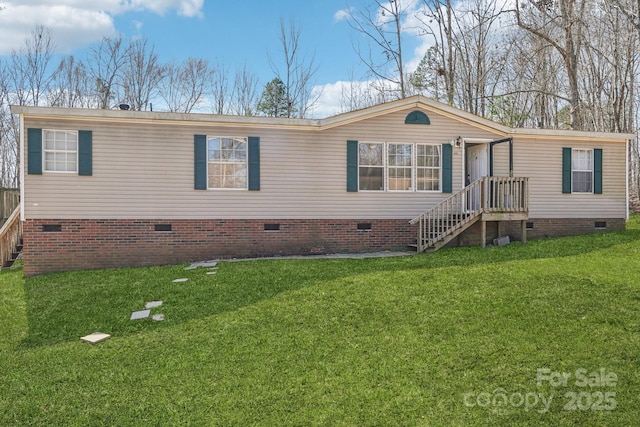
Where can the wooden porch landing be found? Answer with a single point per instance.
(488, 199)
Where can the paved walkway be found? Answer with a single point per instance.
(385, 254)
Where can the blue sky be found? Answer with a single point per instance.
(232, 33)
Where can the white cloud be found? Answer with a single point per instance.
(333, 96)
(330, 101)
(77, 23)
(342, 15)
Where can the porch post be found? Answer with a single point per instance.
(523, 226)
(483, 233)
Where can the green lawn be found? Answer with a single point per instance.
(434, 339)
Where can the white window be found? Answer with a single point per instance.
(227, 162)
(371, 166)
(60, 149)
(400, 167)
(582, 171)
(428, 164)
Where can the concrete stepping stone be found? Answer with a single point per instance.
(158, 317)
(95, 337)
(153, 304)
(180, 280)
(211, 272)
(209, 264)
(142, 314)
(204, 264)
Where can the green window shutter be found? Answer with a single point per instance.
(597, 171)
(352, 166)
(566, 170)
(447, 168)
(34, 151)
(200, 162)
(85, 148)
(254, 163)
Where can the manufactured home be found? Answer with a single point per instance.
(111, 188)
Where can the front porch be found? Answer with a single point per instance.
(490, 198)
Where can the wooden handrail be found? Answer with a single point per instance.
(10, 235)
(489, 194)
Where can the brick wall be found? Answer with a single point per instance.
(542, 227)
(91, 244)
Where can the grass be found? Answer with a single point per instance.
(399, 341)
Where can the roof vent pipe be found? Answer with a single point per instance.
(124, 107)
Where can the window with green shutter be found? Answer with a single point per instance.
(200, 162)
(34, 151)
(352, 166)
(447, 168)
(597, 171)
(226, 162)
(566, 170)
(380, 166)
(581, 170)
(85, 152)
(59, 151)
(254, 163)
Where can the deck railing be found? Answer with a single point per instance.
(10, 236)
(491, 194)
(506, 194)
(9, 199)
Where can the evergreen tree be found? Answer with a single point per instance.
(274, 102)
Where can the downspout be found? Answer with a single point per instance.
(500, 141)
(626, 161)
(21, 172)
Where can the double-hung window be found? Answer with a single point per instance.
(60, 149)
(227, 162)
(428, 164)
(582, 171)
(400, 167)
(371, 166)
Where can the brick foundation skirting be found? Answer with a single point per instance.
(59, 245)
(539, 228)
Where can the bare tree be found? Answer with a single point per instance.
(221, 91)
(438, 17)
(245, 93)
(531, 84)
(8, 138)
(70, 84)
(141, 74)
(25, 80)
(106, 61)
(381, 23)
(184, 86)
(609, 69)
(560, 23)
(480, 51)
(297, 73)
(631, 9)
(28, 72)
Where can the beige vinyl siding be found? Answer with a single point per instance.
(541, 160)
(501, 159)
(146, 171)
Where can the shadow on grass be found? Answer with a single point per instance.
(64, 306)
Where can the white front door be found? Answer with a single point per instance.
(477, 162)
